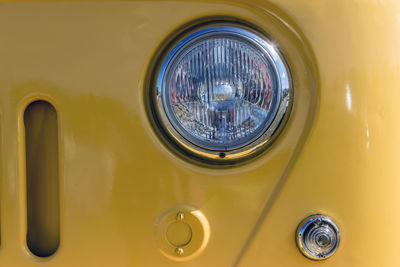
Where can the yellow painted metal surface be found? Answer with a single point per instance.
(338, 154)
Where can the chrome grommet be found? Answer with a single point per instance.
(317, 237)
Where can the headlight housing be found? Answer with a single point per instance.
(222, 92)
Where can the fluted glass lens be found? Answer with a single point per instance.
(220, 91)
(319, 237)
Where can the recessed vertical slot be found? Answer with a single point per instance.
(42, 178)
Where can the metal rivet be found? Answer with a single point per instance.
(179, 251)
(180, 216)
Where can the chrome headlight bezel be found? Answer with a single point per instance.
(284, 95)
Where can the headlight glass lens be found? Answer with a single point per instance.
(221, 88)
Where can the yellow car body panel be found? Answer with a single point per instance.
(337, 155)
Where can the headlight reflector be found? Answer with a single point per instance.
(223, 88)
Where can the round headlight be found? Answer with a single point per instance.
(222, 91)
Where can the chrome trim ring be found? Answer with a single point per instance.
(317, 237)
(283, 103)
